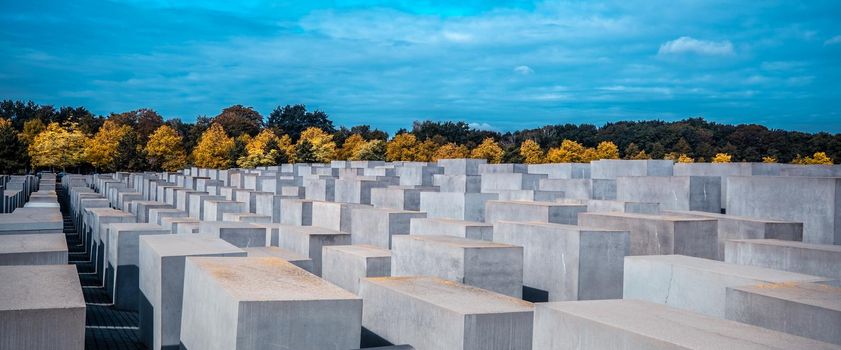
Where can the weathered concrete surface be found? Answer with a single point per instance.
(615, 168)
(345, 265)
(41, 307)
(561, 170)
(451, 227)
(493, 266)
(548, 212)
(309, 241)
(31, 220)
(601, 206)
(240, 234)
(695, 284)
(811, 259)
(816, 202)
(738, 227)
(335, 216)
(214, 209)
(33, 249)
(660, 234)
(378, 227)
(493, 182)
(247, 303)
(572, 188)
(294, 258)
(458, 183)
(122, 254)
(461, 166)
(569, 262)
(162, 282)
(407, 310)
(294, 211)
(811, 310)
(456, 205)
(530, 195)
(699, 193)
(635, 324)
(396, 197)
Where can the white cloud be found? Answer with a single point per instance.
(481, 126)
(687, 44)
(523, 70)
(833, 40)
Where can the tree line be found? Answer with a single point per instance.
(40, 136)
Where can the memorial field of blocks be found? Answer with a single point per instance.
(454, 254)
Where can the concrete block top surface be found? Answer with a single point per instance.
(32, 218)
(454, 242)
(107, 212)
(556, 227)
(674, 217)
(267, 279)
(830, 248)
(456, 222)
(274, 252)
(453, 296)
(309, 230)
(32, 243)
(538, 203)
(132, 226)
(40, 287)
(705, 214)
(186, 245)
(822, 295)
(723, 268)
(361, 250)
(680, 328)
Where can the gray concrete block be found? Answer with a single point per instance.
(41, 307)
(561, 170)
(601, 206)
(140, 209)
(530, 195)
(458, 183)
(196, 204)
(504, 168)
(157, 214)
(572, 188)
(162, 282)
(214, 209)
(660, 234)
(247, 217)
(33, 249)
(695, 284)
(615, 168)
(294, 211)
(816, 202)
(810, 259)
(377, 226)
(461, 166)
(333, 215)
(407, 310)
(122, 252)
(569, 262)
(402, 198)
(240, 234)
(635, 324)
(345, 265)
(451, 227)
(549, 212)
(698, 193)
(494, 182)
(739, 227)
(811, 310)
(493, 266)
(356, 190)
(456, 205)
(260, 301)
(309, 241)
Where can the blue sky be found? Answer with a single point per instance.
(500, 65)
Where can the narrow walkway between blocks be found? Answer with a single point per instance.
(105, 327)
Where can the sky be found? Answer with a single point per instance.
(498, 65)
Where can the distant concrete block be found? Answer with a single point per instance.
(294, 211)
(615, 168)
(572, 188)
(458, 183)
(811, 310)
(455, 205)
(699, 193)
(240, 234)
(461, 166)
(561, 170)
(41, 307)
(451, 227)
(294, 258)
(811, 259)
(407, 310)
(569, 262)
(530, 195)
(635, 324)
(493, 182)
(33, 249)
(497, 267)
(248, 303)
(309, 241)
(402, 198)
(333, 215)
(660, 234)
(548, 212)
(345, 265)
(601, 206)
(162, 282)
(377, 226)
(695, 284)
(215, 209)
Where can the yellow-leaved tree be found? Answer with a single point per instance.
(350, 145)
(401, 148)
(101, 150)
(531, 152)
(769, 159)
(816, 159)
(450, 151)
(58, 146)
(722, 158)
(607, 150)
(164, 149)
(685, 159)
(425, 150)
(214, 148)
(262, 150)
(568, 152)
(488, 150)
(323, 147)
(370, 150)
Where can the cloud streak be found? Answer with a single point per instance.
(687, 44)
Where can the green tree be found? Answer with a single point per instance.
(13, 155)
(294, 119)
(238, 120)
(304, 152)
